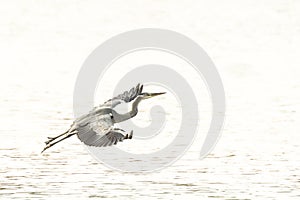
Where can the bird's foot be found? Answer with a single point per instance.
(50, 139)
(48, 146)
(130, 135)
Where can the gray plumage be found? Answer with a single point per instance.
(97, 127)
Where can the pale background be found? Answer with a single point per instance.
(255, 46)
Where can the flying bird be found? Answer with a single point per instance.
(97, 127)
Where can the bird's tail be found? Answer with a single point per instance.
(53, 140)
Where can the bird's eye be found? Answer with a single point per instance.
(111, 115)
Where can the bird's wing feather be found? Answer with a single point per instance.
(124, 97)
(92, 138)
(99, 133)
(96, 128)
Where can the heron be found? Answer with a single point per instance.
(97, 127)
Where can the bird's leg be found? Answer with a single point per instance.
(50, 139)
(51, 144)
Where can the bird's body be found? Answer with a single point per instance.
(97, 127)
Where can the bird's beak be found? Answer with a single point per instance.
(156, 94)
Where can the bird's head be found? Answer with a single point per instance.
(146, 95)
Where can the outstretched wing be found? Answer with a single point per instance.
(99, 133)
(92, 138)
(124, 98)
(96, 127)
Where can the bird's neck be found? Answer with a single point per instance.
(130, 114)
(135, 105)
